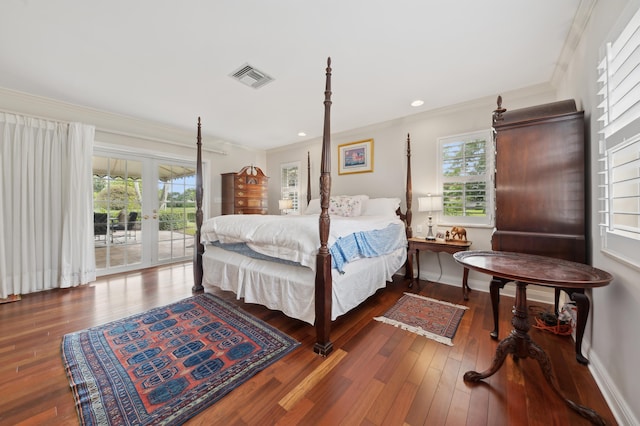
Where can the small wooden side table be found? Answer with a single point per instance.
(451, 246)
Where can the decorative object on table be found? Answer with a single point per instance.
(431, 203)
(433, 319)
(165, 365)
(355, 157)
(459, 233)
(285, 205)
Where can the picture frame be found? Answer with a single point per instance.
(355, 157)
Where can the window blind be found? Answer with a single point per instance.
(619, 138)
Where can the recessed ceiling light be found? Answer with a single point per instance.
(417, 103)
(302, 134)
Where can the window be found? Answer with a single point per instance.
(619, 143)
(290, 185)
(466, 177)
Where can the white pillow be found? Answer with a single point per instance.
(314, 205)
(381, 207)
(344, 205)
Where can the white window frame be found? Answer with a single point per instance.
(288, 191)
(619, 144)
(488, 178)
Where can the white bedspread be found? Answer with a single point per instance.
(294, 238)
(291, 289)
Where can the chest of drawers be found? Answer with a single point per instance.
(245, 192)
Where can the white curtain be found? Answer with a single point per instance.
(46, 191)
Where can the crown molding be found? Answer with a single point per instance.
(578, 27)
(107, 123)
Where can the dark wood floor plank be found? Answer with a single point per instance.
(441, 402)
(403, 363)
(401, 404)
(363, 402)
(421, 404)
(458, 409)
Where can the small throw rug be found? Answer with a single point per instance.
(165, 365)
(434, 319)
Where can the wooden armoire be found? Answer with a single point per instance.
(245, 192)
(540, 181)
(541, 193)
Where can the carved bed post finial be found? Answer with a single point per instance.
(323, 287)
(497, 113)
(325, 165)
(198, 246)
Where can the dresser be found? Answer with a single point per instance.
(541, 193)
(244, 192)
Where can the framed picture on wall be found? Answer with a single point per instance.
(355, 157)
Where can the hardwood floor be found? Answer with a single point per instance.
(377, 374)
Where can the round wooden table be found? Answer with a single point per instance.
(526, 269)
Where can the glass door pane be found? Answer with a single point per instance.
(176, 211)
(117, 206)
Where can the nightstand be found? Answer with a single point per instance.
(451, 246)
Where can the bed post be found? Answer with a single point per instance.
(323, 291)
(409, 194)
(198, 247)
(406, 218)
(308, 177)
(408, 265)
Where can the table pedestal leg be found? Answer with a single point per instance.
(494, 289)
(520, 345)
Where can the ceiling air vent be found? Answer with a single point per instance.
(250, 76)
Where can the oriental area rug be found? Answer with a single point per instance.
(165, 365)
(433, 319)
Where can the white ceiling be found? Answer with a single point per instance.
(169, 61)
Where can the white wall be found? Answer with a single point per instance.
(389, 176)
(612, 332)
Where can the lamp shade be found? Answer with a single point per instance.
(430, 203)
(285, 204)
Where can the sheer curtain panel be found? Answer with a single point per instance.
(46, 221)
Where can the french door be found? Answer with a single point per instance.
(144, 210)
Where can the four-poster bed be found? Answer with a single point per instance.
(321, 278)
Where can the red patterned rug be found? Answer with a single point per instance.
(167, 364)
(427, 317)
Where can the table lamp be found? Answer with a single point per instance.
(285, 205)
(431, 203)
